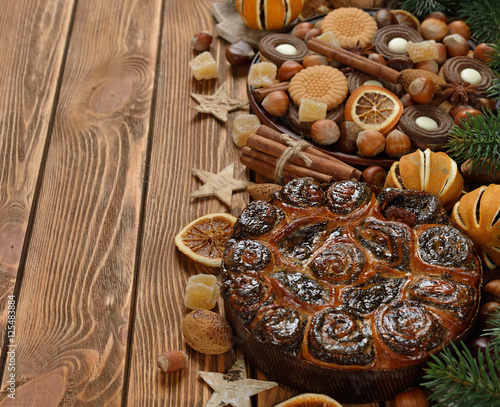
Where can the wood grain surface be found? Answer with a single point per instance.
(33, 37)
(74, 303)
(97, 145)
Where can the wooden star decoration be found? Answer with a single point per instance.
(221, 185)
(234, 387)
(218, 104)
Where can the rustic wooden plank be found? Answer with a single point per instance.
(74, 304)
(182, 139)
(32, 42)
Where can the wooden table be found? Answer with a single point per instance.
(97, 144)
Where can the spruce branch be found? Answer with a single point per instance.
(483, 19)
(422, 8)
(477, 140)
(457, 379)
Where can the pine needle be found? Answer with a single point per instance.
(483, 19)
(478, 140)
(422, 8)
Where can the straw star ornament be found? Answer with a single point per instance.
(219, 104)
(234, 387)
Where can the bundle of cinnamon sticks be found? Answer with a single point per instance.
(264, 149)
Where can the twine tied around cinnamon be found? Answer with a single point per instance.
(295, 148)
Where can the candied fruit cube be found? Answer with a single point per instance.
(329, 38)
(244, 125)
(202, 292)
(422, 51)
(310, 110)
(204, 66)
(262, 74)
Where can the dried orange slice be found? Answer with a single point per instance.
(373, 108)
(310, 400)
(406, 18)
(204, 239)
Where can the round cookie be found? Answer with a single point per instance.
(350, 26)
(320, 83)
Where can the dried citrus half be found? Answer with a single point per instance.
(406, 18)
(373, 108)
(310, 400)
(204, 239)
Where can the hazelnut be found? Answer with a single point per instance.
(384, 17)
(312, 33)
(325, 132)
(430, 66)
(439, 15)
(348, 136)
(442, 55)
(491, 291)
(459, 27)
(465, 114)
(201, 41)
(172, 361)
(276, 103)
(458, 108)
(374, 175)
(415, 397)
(288, 69)
(434, 29)
(207, 332)
(421, 90)
(485, 312)
(400, 63)
(301, 29)
(456, 45)
(240, 53)
(483, 52)
(397, 144)
(370, 143)
(314, 59)
(485, 105)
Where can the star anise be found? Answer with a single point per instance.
(461, 92)
(359, 50)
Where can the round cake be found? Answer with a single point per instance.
(333, 289)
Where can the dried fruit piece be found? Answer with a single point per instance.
(310, 110)
(262, 74)
(204, 66)
(373, 108)
(422, 51)
(244, 125)
(202, 292)
(204, 239)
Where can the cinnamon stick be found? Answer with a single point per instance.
(334, 169)
(260, 93)
(268, 132)
(354, 61)
(265, 164)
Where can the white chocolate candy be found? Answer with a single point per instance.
(286, 49)
(426, 123)
(373, 82)
(472, 76)
(397, 44)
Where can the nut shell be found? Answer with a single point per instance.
(207, 332)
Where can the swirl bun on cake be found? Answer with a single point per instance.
(333, 290)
